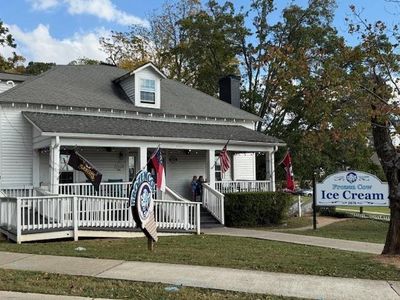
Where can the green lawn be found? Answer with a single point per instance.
(352, 229)
(221, 251)
(290, 223)
(366, 209)
(44, 283)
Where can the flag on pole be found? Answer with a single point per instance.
(224, 159)
(158, 164)
(287, 163)
(78, 162)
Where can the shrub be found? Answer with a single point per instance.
(256, 208)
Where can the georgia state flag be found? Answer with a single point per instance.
(158, 164)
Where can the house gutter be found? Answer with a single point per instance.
(160, 139)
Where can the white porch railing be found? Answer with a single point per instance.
(213, 201)
(51, 215)
(171, 195)
(106, 189)
(226, 187)
(17, 191)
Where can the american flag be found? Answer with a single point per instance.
(224, 159)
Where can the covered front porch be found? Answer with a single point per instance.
(60, 197)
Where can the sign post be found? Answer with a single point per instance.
(141, 202)
(314, 204)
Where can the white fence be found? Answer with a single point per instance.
(226, 187)
(17, 191)
(106, 189)
(213, 201)
(20, 217)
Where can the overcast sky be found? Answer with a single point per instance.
(63, 30)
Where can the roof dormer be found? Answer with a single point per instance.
(143, 86)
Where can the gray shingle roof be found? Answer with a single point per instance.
(14, 77)
(66, 123)
(92, 86)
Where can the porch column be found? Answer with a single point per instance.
(35, 168)
(210, 167)
(54, 164)
(270, 168)
(142, 158)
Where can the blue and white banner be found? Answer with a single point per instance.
(352, 188)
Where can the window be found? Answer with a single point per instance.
(66, 171)
(148, 91)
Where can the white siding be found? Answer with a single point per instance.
(244, 166)
(44, 177)
(110, 164)
(128, 85)
(15, 148)
(6, 85)
(148, 73)
(180, 169)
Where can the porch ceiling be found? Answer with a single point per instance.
(82, 124)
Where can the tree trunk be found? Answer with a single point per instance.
(389, 159)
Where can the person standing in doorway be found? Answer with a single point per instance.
(199, 192)
(194, 188)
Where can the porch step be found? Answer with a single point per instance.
(207, 220)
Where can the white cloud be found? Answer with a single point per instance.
(103, 9)
(39, 45)
(43, 4)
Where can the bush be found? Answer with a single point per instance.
(256, 209)
(330, 211)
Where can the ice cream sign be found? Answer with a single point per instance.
(352, 188)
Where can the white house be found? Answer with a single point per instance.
(116, 119)
(10, 80)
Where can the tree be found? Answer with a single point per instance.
(298, 77)
(380, 90)
(13, 63)
(84, 61)
(36, 68)
(153, 43)
(213, 44)
(190, 43)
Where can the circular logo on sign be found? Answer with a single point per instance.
(351, 177)
(141, 197)
(144, 201)
(141, 177)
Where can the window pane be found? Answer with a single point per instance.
(147, 84)
(148, 97)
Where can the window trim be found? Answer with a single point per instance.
(147, 90)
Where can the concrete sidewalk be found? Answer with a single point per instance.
(295, 285)
(4, 295)
(372, 248)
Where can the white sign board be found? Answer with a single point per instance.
(352, 188)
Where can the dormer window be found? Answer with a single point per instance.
(143, 86)
(148, 91)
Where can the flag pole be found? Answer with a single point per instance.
(151, 157)
(226, 144)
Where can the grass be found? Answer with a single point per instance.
(353, 229)
(290, 223)
(44, 283)
(223, 251)
(366, 209)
